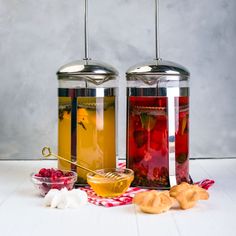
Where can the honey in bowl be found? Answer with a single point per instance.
(110, 187)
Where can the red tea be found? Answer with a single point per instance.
(148, 141)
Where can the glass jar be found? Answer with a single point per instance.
(87, 116)
(158, 123)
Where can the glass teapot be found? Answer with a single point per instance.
(87, 116)
(158, 123)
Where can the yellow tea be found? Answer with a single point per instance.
(95, 133)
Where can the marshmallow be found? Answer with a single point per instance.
(50, 196)
(65, 199)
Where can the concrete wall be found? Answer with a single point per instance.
(37, 37)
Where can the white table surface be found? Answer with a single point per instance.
(22, 212)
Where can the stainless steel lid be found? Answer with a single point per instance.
(157, 67)
(90, 70)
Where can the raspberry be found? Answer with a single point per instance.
(53, 171)
(59, 173)
(54, 176)
(55, 186)
(42, 172)
(68, 174)
(38, 175)
(47, 173)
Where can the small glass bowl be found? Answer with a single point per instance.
(44, 184)
(108, 187)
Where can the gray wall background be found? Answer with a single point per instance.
(37, 37)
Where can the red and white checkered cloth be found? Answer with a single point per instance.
(127, 197)
(124, 199)
(206, 183)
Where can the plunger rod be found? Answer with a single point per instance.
(157, 38)
(86, 47)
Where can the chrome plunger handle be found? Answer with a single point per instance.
(171, 111)
(157, 38)
(86, 46)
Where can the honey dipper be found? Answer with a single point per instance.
(46, 152)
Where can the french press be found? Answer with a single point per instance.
(158, 121)
(87, 113)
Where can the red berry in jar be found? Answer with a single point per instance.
(155, 145)
(140, 170)
(164, 172)
(140, 137)
(136, 121)
(156, 172)
(182, 143)
(156, 140)
(140, 153)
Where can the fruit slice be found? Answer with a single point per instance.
(184, 125)
(148, 121)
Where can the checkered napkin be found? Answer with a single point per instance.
(206, 183)
(127, 197)
(124, 199)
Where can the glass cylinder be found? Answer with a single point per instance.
(87, 116)
(158, 124)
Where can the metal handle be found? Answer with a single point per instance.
(157, 38)
(86, 47)
(46, 152)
